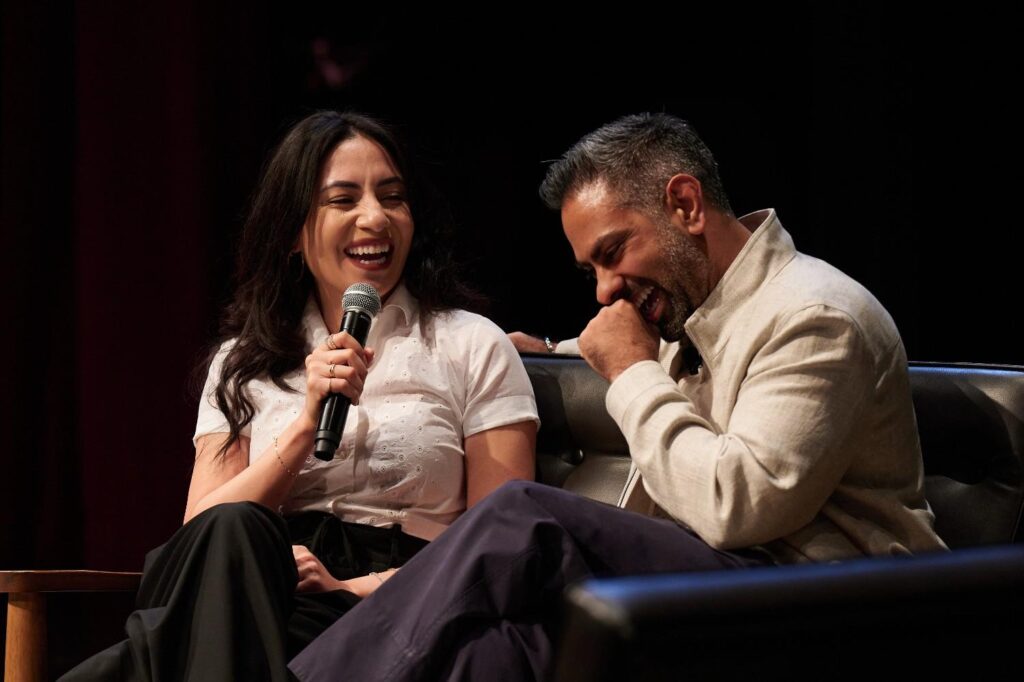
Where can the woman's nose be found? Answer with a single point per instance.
(372, 216)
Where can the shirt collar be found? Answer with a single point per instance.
(767, 251)
(400, 301)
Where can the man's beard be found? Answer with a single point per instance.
(685, 281)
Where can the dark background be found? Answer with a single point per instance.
(132, 134)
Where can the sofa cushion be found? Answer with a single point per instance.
(971, 420)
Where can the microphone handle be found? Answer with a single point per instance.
(334, 410)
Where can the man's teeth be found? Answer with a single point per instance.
(642, 298)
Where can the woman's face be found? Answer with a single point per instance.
(361, 228)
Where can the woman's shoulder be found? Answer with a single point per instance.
(224, 346)
(218, 351)
(464, 334)
(464, 323)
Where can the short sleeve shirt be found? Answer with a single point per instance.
(434, 381)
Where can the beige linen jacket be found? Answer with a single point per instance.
(798, 432)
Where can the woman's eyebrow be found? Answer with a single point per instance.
(342, 184)
(348, 184)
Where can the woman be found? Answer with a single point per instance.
(442, 413)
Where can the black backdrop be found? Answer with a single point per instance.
(132, 134)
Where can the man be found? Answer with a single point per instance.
(771, 423)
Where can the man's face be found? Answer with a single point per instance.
(649, 261)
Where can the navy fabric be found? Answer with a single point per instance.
(483, 600)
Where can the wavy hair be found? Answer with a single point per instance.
(272, 284)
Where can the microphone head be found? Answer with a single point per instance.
(361, 296)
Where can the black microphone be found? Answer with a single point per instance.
(359, 304)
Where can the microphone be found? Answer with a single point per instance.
(360, 303)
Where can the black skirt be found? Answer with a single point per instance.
(218, 600)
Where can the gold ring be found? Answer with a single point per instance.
(330, 342)
(331, 368)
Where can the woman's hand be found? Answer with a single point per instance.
(338, 365)
(365, 585)
(313, 577)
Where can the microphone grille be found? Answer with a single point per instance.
(362, 296)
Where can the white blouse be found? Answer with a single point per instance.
(432, 383)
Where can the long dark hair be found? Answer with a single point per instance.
(272, 284)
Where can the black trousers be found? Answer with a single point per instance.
(218, 601)
(482, 601)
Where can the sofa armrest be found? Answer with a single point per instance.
(858, 619)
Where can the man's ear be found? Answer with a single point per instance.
(685, 200)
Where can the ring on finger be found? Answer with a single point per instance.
(331, 369)
(330, 342)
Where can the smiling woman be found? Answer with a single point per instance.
(277, 544)
(361, 228)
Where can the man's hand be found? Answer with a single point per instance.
(525, 343)
(617, 339)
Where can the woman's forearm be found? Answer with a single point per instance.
(266, 481)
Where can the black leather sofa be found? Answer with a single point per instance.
(866, 619)
(946, 614)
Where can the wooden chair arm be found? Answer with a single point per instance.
(14, 582)
(25, 659)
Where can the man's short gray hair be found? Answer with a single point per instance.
(635, 156)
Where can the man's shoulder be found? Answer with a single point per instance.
(808, 283)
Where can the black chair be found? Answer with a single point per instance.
(870, 617)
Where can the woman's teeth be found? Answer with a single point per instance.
(369, 253)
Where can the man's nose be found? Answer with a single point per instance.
(610, 287)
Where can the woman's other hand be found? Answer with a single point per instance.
(365, 585)
(313, 577)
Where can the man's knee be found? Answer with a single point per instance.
(512, 494)
(528, 494)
